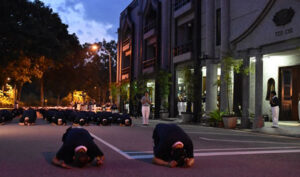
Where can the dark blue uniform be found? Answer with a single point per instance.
(73, 138)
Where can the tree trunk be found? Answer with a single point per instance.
(19, 92)
(15, 96)
(58, 100)
(72, 96)
(42, 91)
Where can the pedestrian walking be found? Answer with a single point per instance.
(274, 102)
(146, 108)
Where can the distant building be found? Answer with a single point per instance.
(199, 34)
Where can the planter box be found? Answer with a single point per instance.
(229, 122)
(187, 117)
(164, 115)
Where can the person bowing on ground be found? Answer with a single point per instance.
(78, 149)
(172, 146)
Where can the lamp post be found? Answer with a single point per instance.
(95, 47)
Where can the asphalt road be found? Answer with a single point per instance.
(27, 152)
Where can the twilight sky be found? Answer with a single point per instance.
(91, 20)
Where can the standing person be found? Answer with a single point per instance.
(299, 106)
(172, 146)
(274, 102)
(78, 148)
(146, 108)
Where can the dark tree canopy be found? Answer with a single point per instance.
(35, 46)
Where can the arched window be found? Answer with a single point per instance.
(270, 88)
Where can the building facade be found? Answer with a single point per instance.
(176, 35)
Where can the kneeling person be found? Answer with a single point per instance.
(172, 146)
(78, 148)
(28, 117)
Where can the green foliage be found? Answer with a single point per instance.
(164, 81)
(230, 64)
(188, 79)
(114, 91)
(216, 115)
(139, 87)
(124, 91)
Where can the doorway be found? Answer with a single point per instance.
(289, 88)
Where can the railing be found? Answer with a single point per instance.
(125, 70)
(149, 26)
(126, 41)
(180, 3)
(179, 50)
(149, 62)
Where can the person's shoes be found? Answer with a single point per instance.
(275, 127)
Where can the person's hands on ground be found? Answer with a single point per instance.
(172, 164)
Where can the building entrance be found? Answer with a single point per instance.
(289, 89)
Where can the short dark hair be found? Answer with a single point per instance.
(273, 92)
(81, 159)
(178, 154)
(104, 122)
(81, 122)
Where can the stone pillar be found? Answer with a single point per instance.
(173, 94)
(224, 50)
(246, 93)
(258, 89)
(211, 68)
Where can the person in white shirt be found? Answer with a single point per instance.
(146, 108)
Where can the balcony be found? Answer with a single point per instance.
(126, 41)
(149, 63)
(183, 52)
(181, 49)
(181, 7)
(125, 70)
(149, 26)
(180, 3)
(126, 45)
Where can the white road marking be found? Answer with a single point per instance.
(112, 147)
(221, 149)
(245, 153)
(208, 133)
(207, 154)
(238, 141)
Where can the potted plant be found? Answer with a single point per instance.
(229, 64)
(216, 118)
(188, 80)
(163, 78)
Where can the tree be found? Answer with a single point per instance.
(20, 71)
(31, 29)
(164, 80)
(189, 86)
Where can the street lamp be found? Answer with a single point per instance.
(96, 47)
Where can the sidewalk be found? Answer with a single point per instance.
(286, 128)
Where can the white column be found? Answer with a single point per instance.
(211, 68)
(258, 89)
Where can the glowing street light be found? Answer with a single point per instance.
(95, 47)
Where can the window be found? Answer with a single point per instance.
(218, 27)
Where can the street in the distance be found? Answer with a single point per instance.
(27, 151)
